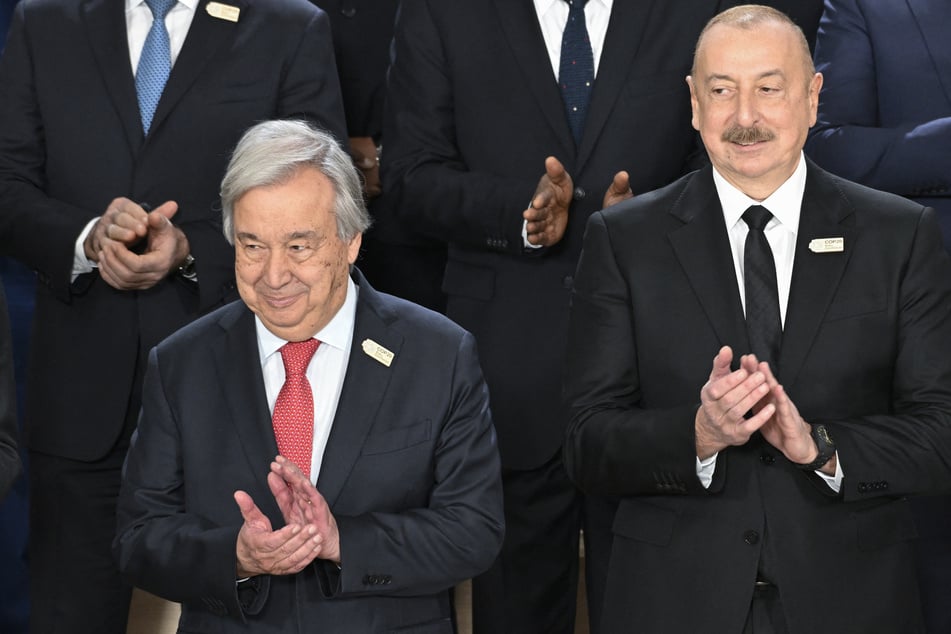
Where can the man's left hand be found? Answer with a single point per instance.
(786, 430)
(301, 503)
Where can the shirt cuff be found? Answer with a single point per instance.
(834, 481)
(82, 264)
(705, 470)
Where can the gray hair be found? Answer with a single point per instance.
(748, 17)
(272, 152)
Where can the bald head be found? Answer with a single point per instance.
(749, 17)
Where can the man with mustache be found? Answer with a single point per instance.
(767, 494)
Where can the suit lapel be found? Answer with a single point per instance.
(623, 37)
(703, 248)
(825, 214)
(933, 18)
(108, 38)
(205, 36)
(242, 384)
(519, 22)
(363, 389)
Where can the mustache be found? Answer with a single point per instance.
(745, 136)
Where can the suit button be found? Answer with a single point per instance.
(348, 12)
(767, 459)
(863, 487)
(751, 537)
(579, 193)
(568, 282)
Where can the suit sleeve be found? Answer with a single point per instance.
(423, 165)
(909, 448)
(157, 541)
(9, 456)
(28, 216)
(614, 445)
(849, 139)
(459, 533)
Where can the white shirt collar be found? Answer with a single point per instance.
(785, 203)
(542, 6)
(132, 4)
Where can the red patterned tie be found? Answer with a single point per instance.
(294, 408)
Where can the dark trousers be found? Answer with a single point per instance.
(74, 582)
(532, 587)
(75, 586)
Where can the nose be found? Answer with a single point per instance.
(276, 271)
(747, 114)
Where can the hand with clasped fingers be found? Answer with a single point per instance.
(309, 533)
(123, 225)
(728, 396)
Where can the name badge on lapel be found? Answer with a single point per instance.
(827, 245)
(378, 352)
(223, 11)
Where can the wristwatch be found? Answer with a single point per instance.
(187, 269)
(820, 435)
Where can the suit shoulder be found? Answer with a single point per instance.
(649, 206)
(206, 327)
(415, 320)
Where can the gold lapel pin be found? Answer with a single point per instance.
(827, 245)
(223, 11)
(378, 352)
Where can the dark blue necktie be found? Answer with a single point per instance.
(576, 73)
(155, 63)
(763, 322)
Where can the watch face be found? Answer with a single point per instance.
(823, 433)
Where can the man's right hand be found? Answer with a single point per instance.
(263, 551)
(547, 215)
(724, 401)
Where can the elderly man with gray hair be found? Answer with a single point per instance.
(318, 452)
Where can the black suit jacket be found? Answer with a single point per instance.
(864, 351)
(362, 32)
(71, 141)
(9, 456)
(473, 110)
(410, 471)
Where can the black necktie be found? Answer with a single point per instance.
(576, 73)
(763, 322)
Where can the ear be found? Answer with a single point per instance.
(815, 87)
(353, 249)
(694, 105)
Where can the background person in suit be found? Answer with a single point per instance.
(473, 111)
(884, 120)
(9, 455)
(76, 165)
(408, 496)
(729, 523)
(885, 115)
(395, 258)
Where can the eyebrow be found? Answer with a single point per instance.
(296, 235)
(775, 72)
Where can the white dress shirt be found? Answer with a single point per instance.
(138, 21)
(785, 204)
(325, 373)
